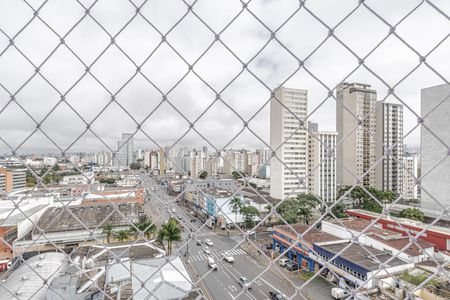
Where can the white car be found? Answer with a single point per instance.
(244, 282)
(209, 242)
(269, 229)
(174, 211)
(211, 263)
(207, 251)
(250, 232)
(228, 258)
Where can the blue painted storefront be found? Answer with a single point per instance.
(293, 255)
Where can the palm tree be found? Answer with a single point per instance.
(235, 205)
(147, 227)
(171, 232)
(108, 230)
(122, 235)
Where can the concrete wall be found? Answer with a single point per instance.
(437, 123)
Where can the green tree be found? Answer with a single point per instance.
(237, 175)
(365, 200)
(253, 185)
(122, 235)
(135, 166)
(30, 179)
(108, 230)
(412, 214)
(203, 175)
(107, 180)
(249, 212)
(235, 204)
(299, 208)
(147, 227)
(56, 168)
(339, 210)
(170, 231)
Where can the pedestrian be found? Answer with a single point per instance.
(228, 232)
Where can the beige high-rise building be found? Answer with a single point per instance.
(289, 139)
(390, 147)
(356, 127)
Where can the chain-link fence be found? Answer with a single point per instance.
(138, 138)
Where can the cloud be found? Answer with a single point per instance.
(140, 68)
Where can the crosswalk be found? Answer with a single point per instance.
(185, 235)
(216, 254)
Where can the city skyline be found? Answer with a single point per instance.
(246, 94)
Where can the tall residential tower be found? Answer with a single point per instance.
(289, 139)
(390, 147)
(356, 127)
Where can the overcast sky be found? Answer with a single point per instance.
(331, 64)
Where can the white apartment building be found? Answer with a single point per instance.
(322, 164)
(389, 171)
(79, 179)
(289, 139)
(435, 109)
(50, 161)
(411, 189)
(356, 127)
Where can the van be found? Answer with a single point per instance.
(212, 263)
(283, 261)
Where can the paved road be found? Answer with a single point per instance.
(222, 283)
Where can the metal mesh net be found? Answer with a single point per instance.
(179, 75)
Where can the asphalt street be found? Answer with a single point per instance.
(222, 283)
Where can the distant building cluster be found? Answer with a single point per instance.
(367, 149)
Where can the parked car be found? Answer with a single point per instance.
(212, 263)
(206, 250)
(269, 229)
(292, 267)
(209, 242)
(179, 217)
(283, 261)
(174, 210)
(339, 293)
(244, 282)
(276, 296)
(199, 243)
(193, 220)
(229, 258)
(269, 246)
(250, 232)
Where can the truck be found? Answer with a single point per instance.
(339, 293)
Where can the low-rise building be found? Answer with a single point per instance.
(114, 196)
(68, 226)
(30, 280)
(300, 243)
(379, 238)
(356, 265)
(438, 236)
(79, 179)
(12, 180)
(18, 217)
(131, 180)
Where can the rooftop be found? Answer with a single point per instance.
(27, 281)
(402, 221)
(391, 238)
(366, 257)
(57, 219)
(314, 235)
